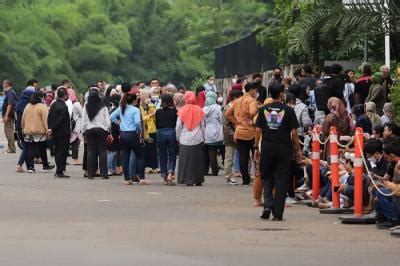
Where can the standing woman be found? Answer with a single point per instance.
(97, 123)
(34, 127)
(129, 119)
(76, 126)
(214, 135)
(166, 138)
(190, 134)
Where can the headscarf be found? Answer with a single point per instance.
(336, 106)
(179, 101)
(191, 114)
(94, 103)
(389, 110)
(370, 111)
(377, 78)
(72, 95)
(235, 87)
(211, 98)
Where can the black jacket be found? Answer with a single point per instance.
(336, 86)
(58, 119)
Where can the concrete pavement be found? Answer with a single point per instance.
(47, 221)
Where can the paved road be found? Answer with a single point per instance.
(46, 221)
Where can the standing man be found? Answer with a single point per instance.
(210, 85)
(59, 128)
(278, 125)
(241, 114)
(8, 113)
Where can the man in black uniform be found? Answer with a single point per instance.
(59, 127)
(277, 123)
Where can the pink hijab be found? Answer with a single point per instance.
(191, 114)
(72, 95)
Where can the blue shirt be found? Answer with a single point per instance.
(130, 121)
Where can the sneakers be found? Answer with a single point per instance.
(31, 170)
(231, 181)
(265, 214)
(386, 224)
(290, 200)
(48, 168)
(135, 180)
(304, 187)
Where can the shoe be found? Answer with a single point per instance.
(231, 181)
(62, 175)
(144, 182)
(277, 219)
(90, 177)
(48, 168)
(9, 152)
(135, 180)
(265, 214)
(386, 224)
(304, 187)
(189, 185)
(31, 170)
(246, 184)
(290, 200)
(127, 182)
(105, 177)
(19, 169)
(199, 184)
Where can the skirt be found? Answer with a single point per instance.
(190, 166)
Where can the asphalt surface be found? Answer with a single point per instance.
(47, 221)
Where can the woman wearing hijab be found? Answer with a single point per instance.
(338, 117)
(190, 134)
(370, 111)
(200, 96)
(214, 135)
(377, 92)
(357, 112)
(97, 123)
(76, 126)
(34, 126)
(389, 114)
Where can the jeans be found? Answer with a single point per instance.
(129, 143)
(96, 148)
(137, 166)
(112, 161)
(24, 154)
(385, 205)
(236, 163)
(244, 148)
(167, 150)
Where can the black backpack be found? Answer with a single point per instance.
(322, 96)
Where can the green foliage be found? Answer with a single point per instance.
(116, 40)
(395, 99)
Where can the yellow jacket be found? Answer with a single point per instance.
(149, 120)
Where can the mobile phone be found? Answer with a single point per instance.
(336, 188)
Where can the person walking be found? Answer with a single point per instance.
(8, 112)
(59, 128)
(97, 124)
(129, 118)
(190, 134)
(241, 114)
(277, 123)
(34, 126)
(214, 135)
(19, 110)
(166, 138)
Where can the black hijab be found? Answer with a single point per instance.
(37, 97)
(94, 103)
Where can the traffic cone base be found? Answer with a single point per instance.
(363, 219)
(336, 211)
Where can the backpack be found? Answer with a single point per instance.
(322, 96)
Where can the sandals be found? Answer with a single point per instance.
(19, 169)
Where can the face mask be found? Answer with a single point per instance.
(372, 160)
(211, 82)
(349, 156)
(234, 81)
(257, 95)
(155, 98)
(220, 100)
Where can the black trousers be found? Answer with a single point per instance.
(61, 146)
(40, 148)
(96, 148)
(75, 148)
(275, 174)
(244, 147)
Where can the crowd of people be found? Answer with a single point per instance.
(259, 134)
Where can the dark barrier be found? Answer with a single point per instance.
(244, 56)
